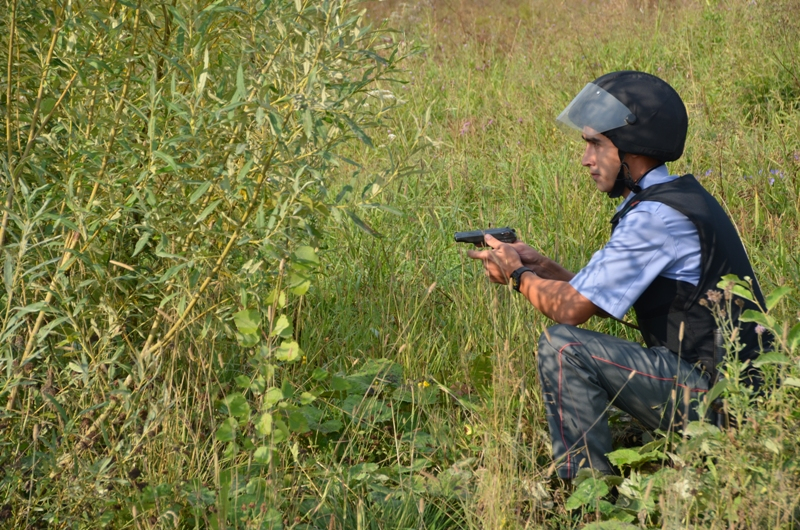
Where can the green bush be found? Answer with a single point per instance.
(166, 175)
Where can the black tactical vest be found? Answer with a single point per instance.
(666, 303)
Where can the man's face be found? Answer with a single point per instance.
(602, 159)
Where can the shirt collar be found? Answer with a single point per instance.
(657, 175)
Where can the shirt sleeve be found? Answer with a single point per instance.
(639, 250)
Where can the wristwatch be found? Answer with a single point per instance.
(516, 277)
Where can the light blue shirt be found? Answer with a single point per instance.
(651, 240)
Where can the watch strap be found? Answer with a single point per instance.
(516, 277)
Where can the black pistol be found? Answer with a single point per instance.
(506, 235)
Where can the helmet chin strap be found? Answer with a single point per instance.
(624, 179)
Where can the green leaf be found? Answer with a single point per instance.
(362, 225)
(143, 239)
(240, 90)
(750, 315)
(775, 296)
(587, 493)
(245, 170)
(771, 358)
(276, 122)
(264, 424)
(793, 338)
(360, 134)
(237, 406)
(226, 432)
(287, 389)
(199, 192)
(47, 105)
(743, 292)
(258, 385)
(307, 398)
(298, 284)
(207, 211)
(308, 124)
(791, 381)
(247, 321)
(272, 396)
(247, 340)
(282, 328)
(330, 426)
(716, 391)
(288, 351)
(480, 371)
(340, 384)
(610, 525)
(319, 374)
(280, 432)
(731, 278)
(242, 381)
(166, 158)
(740, 288)
(306, 254)
(262, 455)
(622, 457)
(8, 272)
(298, 422)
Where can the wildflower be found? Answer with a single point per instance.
(391, 137)
(707, 173)
(714, 296)
(760, 329)
(729, 291)
(465, 127)
(771, 181)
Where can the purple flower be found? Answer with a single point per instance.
(777, 172)
(707, 173)
(465, 127)
(760, 329)
(771, 181)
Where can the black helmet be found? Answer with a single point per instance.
(643, 115)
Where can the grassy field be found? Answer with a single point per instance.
(365, 374)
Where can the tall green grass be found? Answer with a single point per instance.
(415, 401)
(495, 76)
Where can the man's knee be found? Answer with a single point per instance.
(551, 343)
(556, 337)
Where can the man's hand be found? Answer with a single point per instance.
(544, 267)
(499, 262)
(530, 257)
(553, 296)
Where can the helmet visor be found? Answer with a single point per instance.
(595, 108)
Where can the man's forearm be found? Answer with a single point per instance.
(549, 269)
(557, 299)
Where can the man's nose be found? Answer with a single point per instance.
(586, 160)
